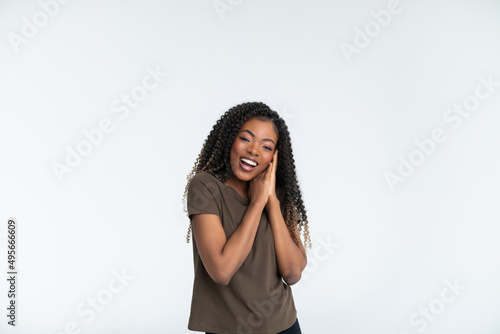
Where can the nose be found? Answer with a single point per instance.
(252, 150)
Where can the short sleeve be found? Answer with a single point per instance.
(202, 196)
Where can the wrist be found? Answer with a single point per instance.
(272, 201)
(257, 204)
(273, 198)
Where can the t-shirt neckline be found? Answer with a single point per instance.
(236, 194)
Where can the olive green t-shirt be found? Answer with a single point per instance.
(256, 300)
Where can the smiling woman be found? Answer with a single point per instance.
(251, 152)
(246, 213)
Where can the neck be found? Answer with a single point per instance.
(240, 186)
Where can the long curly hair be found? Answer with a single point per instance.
(214, 159)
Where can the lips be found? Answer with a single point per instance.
(246, 166)
(251, 162)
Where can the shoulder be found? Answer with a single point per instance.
(203, 195)
(204, 181)
(203, 177)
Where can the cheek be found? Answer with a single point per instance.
(233, 155)
(265, 162)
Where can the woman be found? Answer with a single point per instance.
(246, 213)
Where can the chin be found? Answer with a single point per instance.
(245, 176)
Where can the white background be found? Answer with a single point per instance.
(351, 120)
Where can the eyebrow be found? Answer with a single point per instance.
(265, 139)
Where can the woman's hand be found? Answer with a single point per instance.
(272, 176)
(263, 185)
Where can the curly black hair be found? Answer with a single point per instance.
(214, 159)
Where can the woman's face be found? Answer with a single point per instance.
(255, 141)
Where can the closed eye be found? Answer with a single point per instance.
(266, 147)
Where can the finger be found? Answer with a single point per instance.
(268, 168)
(275, 158)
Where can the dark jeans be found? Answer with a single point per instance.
(295, 329)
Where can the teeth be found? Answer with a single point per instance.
(250, 162)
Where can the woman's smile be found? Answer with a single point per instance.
(248, 164)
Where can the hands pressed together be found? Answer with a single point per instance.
(263, 186)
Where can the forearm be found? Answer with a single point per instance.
(238, 246)
(291, 258)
